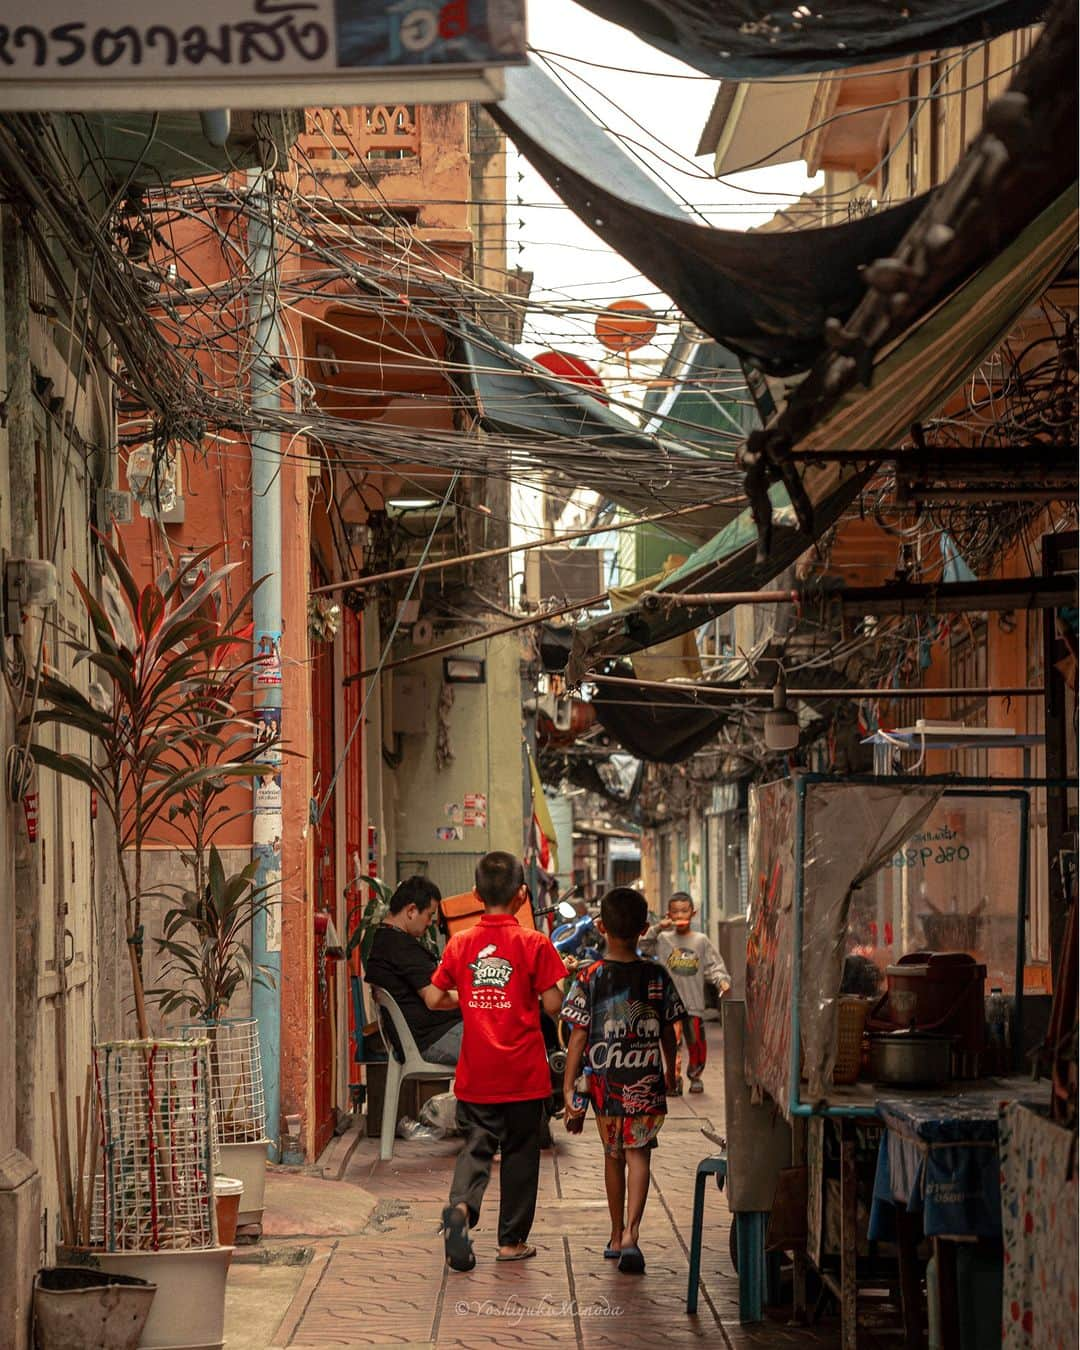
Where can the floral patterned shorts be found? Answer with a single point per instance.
(622, 1132)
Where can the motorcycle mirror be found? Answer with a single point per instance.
(566, 910)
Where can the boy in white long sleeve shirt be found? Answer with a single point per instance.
(692, 961)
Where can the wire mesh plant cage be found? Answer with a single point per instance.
(157, 1157)
(236, 1077)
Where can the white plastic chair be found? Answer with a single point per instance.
(397, 1071)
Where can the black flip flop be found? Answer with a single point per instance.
(631, 1261)
(456, 1242)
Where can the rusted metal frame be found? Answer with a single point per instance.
(896, 598)
(986, 195)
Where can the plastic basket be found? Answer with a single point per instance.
(850, 1023)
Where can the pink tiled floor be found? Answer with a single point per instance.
(389, 1286)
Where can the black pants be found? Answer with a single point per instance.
(513, 1128)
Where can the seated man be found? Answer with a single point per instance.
(401, 964)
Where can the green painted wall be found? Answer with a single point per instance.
(485, 737)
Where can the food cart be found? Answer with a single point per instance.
(850, 876)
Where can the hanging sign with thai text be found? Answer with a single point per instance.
(64, 54)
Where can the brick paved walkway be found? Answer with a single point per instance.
(389, 1286)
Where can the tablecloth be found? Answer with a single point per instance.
(939, 1157)
(1039, 1229)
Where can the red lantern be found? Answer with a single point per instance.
(566, 366)
(625, 326)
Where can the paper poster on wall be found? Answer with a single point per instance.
(266, 846)
(268, 730)
(475, 814)
(267, 659)
(454, 813)
(447, 834)
(268, 794)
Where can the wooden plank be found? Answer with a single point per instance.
(849, 1238)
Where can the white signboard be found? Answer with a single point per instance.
(199, 54)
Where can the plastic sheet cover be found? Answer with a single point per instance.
(952, 886)
(851, 830)
(764, 295)
(753, 39)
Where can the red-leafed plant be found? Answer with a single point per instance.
(159, 714)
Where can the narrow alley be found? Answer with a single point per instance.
(539, 559)
(376, 1275)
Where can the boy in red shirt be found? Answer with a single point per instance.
(501, 973)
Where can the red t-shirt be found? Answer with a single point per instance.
(500, 970)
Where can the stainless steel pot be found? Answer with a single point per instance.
(906, 1057)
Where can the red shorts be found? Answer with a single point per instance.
(622, 1132)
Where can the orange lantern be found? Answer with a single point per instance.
(625, 326)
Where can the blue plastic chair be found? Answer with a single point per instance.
(750, 1228)
(716, 1166)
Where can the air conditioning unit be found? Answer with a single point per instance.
(570, 575)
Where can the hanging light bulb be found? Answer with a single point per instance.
(781, 724)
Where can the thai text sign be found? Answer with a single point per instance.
(264, 46)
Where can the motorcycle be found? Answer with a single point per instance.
(577, 939)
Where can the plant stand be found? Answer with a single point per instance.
(239, 1107)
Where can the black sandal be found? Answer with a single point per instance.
(456, 1242)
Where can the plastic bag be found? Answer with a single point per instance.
(413, 1129)
(439, 1113)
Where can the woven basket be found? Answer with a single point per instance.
(850, 1022)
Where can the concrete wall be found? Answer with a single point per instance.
(483, 733)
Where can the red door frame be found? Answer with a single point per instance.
(324, 887)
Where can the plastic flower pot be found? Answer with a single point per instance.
(247, 1163)
(188, 1311)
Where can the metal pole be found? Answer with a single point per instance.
(898, 597)
(719, 691)
(266, 464)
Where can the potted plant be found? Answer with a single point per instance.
(208, 960)
(157, 723)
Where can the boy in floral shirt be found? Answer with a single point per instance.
(623, 1012)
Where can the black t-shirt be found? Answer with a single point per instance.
(403, 966)
(624, 1006)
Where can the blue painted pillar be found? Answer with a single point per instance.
(266, 614)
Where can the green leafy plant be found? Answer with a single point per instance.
(157, 713)
(364, 919)
(223, 738)
(205, 943)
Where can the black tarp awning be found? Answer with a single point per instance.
(913, 377)
(662, 726)
(754, 39)
(563, 427)
(765, 296)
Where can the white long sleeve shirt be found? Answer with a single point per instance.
(691, 960)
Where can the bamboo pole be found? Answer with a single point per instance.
(63, 1182)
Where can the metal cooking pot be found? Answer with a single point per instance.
(906, 1057)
